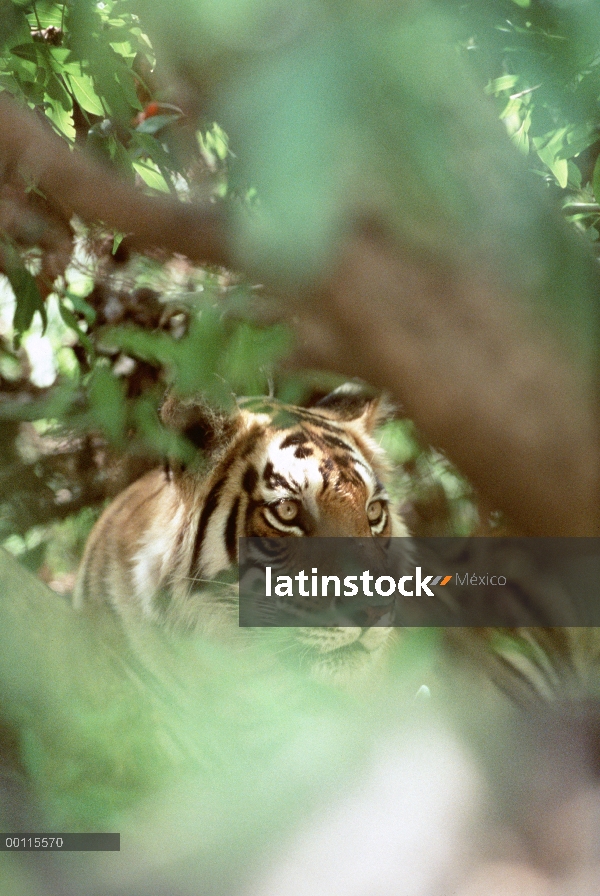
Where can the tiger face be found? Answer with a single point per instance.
(273, 470)
(315, 481)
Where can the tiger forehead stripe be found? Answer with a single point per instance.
(352, 455)
(315, 438)
(273, 479)
(231, 531)
(212, 499)
(334, 442)
(249, 480)
(295, 438)
(321, 422)
(300, 441)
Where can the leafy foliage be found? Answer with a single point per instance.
(542, 63)
(122, 328)
(91, 335)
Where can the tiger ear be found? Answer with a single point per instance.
(357, 402)
(207, 428)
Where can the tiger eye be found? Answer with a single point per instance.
(287, 511)
(374, 511)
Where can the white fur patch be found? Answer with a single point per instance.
(154, 558)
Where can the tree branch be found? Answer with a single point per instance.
(484, 381)
(478, 375)
(77, 184)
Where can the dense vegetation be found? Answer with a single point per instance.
(92, 332)
(288, 124)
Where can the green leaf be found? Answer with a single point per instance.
(558, 166)
(26, 62)
(80, 305)
(84, 92)
(578, 139)
(27, 51)
(13, 25)
(574, 175)
(156, 123)
(520, 136)
(505, 82)
(57, 405)
(56, 91)
(560, 170)
(151, 176)
(212, 358)
(250, 356)
(62, 62)
(123, 48)
(108, 409)
(121, 157)
(72, 322)
(162, 442)
(114, 81)
(596, 180)
(214, 144)
(126, 81)
(25, 288)
(8, 82)
(117, 240)
(46, 14)
(62, 119)
(145, 144)
(549, 149)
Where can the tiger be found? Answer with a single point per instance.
(537, 665)
(267, 469)
(531, 667)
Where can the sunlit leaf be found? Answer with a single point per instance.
(113, 80)
(61, 59)
(62, 119)
(123, 48)
(85, 93)
(548, 150)
(520, 136)
(505, 82)
(46, 15)
(151, 176)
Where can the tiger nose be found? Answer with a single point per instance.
(370, 616)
